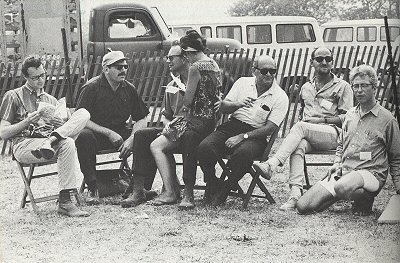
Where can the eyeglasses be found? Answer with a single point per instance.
(363, 86)
(327, 59)
(36, 78)
(265, 71)
(172, 57)
(119, 67)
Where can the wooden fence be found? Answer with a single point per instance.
(149, 72)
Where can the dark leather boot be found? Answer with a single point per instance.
(188, 199)
(67, 207)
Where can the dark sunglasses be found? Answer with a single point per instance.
(119, 67)
(265, 71)
(327, 59)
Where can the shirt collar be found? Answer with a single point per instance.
(334, 80)
(375, 110)
(104, 82)
(269, 91)
(41, 91)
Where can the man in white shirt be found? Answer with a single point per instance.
(257, 106)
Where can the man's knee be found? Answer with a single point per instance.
(83, 114)
(204, 150)
(342, 191)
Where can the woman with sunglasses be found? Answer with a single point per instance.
(202, 92)
(324, 100)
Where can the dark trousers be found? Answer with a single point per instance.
(143, 160)
(88, 144)
(197, 130)
(242, 155)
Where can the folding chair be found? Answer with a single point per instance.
(255, 177)
(27, 179)
(323, 163)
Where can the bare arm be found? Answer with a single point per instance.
(193, 80)
(259, 133)
(227, 106)
(127, 147)
(8, 130)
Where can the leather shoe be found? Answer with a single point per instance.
(92, 197)
(187, 200)
(70, 209)
(220, 197)
(44, 151)
(136, 198)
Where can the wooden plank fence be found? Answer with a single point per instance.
(149, 72)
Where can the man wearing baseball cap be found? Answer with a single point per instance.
(111, 100)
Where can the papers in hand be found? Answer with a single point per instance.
(49, 111)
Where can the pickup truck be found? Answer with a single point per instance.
(135, 28)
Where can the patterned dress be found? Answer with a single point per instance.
(208, 89)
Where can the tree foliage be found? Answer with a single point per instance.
(322, 10)
(363, 9)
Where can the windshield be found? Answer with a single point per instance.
(160, 21)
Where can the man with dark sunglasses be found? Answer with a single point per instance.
(111, 101)
(324, 100)
(257, 106)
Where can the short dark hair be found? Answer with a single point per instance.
(315, 50)
(30, 62)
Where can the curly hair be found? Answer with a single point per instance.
(364, 70)
(30, 62)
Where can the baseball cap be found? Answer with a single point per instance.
(112, 57)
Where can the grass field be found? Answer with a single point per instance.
(261, 233)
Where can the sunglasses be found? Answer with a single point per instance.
(327, 59)
(119, 67)
(41, 76)
(265, 71)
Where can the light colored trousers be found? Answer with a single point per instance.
(65, 150)
(303, 138)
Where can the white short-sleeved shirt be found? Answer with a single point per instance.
(271, 105)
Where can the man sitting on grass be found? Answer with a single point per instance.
(369, 147)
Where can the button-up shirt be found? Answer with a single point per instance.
(335, 98)
(371, 142)
(272, 105)
(109, 108)
(19, 102)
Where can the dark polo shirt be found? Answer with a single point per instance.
(110, 108)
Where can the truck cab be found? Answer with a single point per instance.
(134, 28)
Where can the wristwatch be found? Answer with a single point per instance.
(245, 136)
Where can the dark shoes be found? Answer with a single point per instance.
(187, 200)
(136, 198)
(220, 197)
(212, 188)
(70, 209)
(149, 195)
(362, 207)
(44, 151)
(92, 197)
